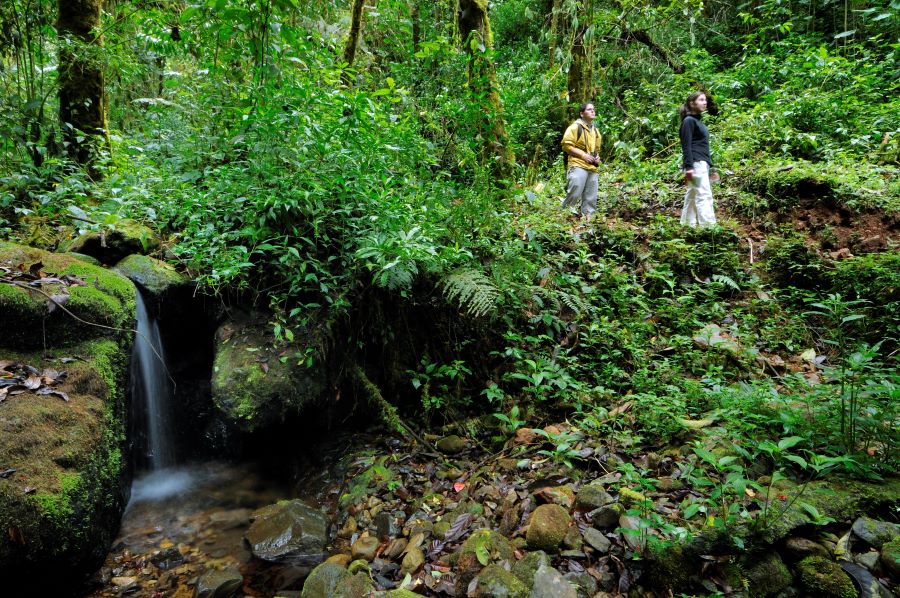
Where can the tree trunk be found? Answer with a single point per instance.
(82, 94)
(477, 39)
(416, 26)
(355, 26)
(579, 82)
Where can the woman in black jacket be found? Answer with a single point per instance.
(698, 200)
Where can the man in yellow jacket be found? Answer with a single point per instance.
(581, 142)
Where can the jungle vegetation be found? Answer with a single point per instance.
(388, 173)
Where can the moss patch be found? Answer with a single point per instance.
(60, 509)
(106, 299)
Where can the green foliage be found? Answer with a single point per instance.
(472, 290)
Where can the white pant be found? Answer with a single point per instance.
(698, 201)
(581, 190)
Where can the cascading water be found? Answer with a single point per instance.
(151, 394)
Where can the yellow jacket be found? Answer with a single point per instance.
(584, 137)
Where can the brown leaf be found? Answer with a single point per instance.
(16, 536)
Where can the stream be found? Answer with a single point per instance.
(182, 521)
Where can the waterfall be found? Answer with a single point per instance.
(151, 395)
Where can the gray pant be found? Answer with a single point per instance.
(581, 190)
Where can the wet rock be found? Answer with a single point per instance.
(252, 387)
(451, 445)
(395, 548)
(167, 559)
(364, 548)
(593, 496)
(288, 529)
(597, 540)
(323, 580)
(890, 557)
(875, 533)
(527, 566)
(219, 584)
(869, 560)
(800, 548)
(155, 277)
(606, 517)
(496, 582)
(232, 519)
(549, 583)
(769, 576)
(634, 539)
(413, 559)
(342, 559)
(821, 577)
(548, 527)
(573, 539)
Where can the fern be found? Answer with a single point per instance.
(728, 282)
(558, 297)
(472, 290)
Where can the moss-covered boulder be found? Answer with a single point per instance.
(481, 548)
(323, 581)
(528, 565)
(87, 301)
(822, 577)
(842, 500)
(115, 241)
(156, 277)
(496, 582)
(768, 576)
(548, 527)
(257, 381)
(890, 557)
(61, 448)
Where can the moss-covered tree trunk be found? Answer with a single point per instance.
(580, 71)
(475, 33)
(353, 38)
(82, 94)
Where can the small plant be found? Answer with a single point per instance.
(510, 421)
(564, 446)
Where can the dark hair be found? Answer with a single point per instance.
(583, 107)
(686, 108)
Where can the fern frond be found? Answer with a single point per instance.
(472, 290)
(728, 282)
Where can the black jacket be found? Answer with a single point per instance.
(694, 141)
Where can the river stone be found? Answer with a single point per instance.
(219, 584)
(451, 445)
(364, 548)
(597, 540)
(154, 276)
(822, 577)
(496, 582)
(252, 387)
(768, 577)
(549, 583)
(412, 560)
(323, 580)
(116, 241)
(869, 560)
(548, 527)
(800, 548)
(890, 557)
(592, 496)
(606, 517)
(286, 530)
(875, 533)
(354, 586)
(167, 558)
(527, 566)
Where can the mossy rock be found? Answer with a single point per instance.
(354, 586)
(768, 577)
(155, 277)
(257, 382)
(528, 565)
(822, 577)
(672, 567)
(481, 548)
(842, 500)
(323, 580)
(890, 557)
(114, 242)
(548, 527)
(104, 305)
(496, 582)
(61, 508)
